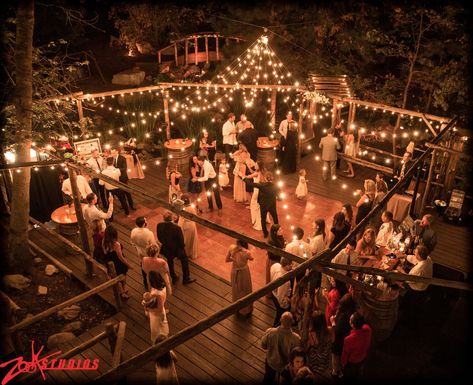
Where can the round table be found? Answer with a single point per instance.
(267, 151)
(65, 217)
(179, 153)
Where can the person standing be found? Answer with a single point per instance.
(152, 262)
(298, 246)
(248, 136)
(194, 173)
(301, 189)
(207, 146)
(82, 185)
(386, 230)
(174, 177)
(113, 251)
(210, 180)
(339, 230)
(276, 239)
(298, 359)
(424, 233)
(280, 295)
(283, 128)
(267, 197)
(229, 134)
(239, 187)
(142, 237)
(96, 163)
(165, 366)
(288, 161)
(172, 246)
(401, 169)
(317, 242)
(92, 213)
(153, 304)
(119, 162)
(352, 151)
(279, 342)
(239, 255)
(365, 203)
(189, 229)
(355, 347)
(112, 172)
(329, 145)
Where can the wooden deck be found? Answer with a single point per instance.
(228, 352)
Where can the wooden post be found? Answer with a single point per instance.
(312, 114)
(299, 136)
(159, 57)
(116, 288)
(216, 47)
(416, 188)
(80, 220)
(334, 112)
(429, 181)
(166, 113)
(120, 339)
(186, 44)
(196, 50)
(206, 49)
(274, 94)
(176, 57)
(111, 331)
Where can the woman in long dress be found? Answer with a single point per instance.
(194, 172)
(239, 187)
(290, 150)
(241, 278)
(153, 304)
(351, 150)
(254, 205)
(174, 188)
(189, 229)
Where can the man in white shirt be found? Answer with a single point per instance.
(96, 163)
(82, 185)
(210, 180)
(114, 173)
(298, 247)
(283, 127)
(386, 230)
(92, 213)
(229, 133)
(280, 295)
(142, 237)
(347, 256)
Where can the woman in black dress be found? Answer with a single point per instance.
(339, 230)
(113, 252)
(290, 150)
(194, 172)
(276, 239)
(365, 203)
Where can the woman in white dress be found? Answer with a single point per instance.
(239, 187)
(189, 229)
(153, 304)
(351, 150)
(223, 179)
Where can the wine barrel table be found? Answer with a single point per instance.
(179, 153)
(380, 313)
(65, 217)
(267, 152)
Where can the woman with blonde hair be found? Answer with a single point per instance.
(365, 203)
(366, 245)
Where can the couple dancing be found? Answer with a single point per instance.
(205, 173)
(263, 200)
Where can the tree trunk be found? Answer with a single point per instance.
(412, 62)
(18, 241)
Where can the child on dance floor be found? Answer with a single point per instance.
(223, 179)
(301, 189)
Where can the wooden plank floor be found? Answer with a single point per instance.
(228, 352)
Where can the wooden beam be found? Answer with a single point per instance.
(429, 125)
(196, 50)
(334, 112)
(159, 57)
(217, 52)
(429, 181)
(299, 136)
(396, 276)
(176, 57)
(41, 163)
(52, 310)
(80, 112)
(69, 243)
(206, 49)
(450, 150)
(273, 109)
(54, 260)
(117, 353)
(394, 109)
(366, 163)
(80, 220)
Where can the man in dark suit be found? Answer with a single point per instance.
(172, 246)
(401, 169)
(119, 161)
(267, 197)
(249, 137)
